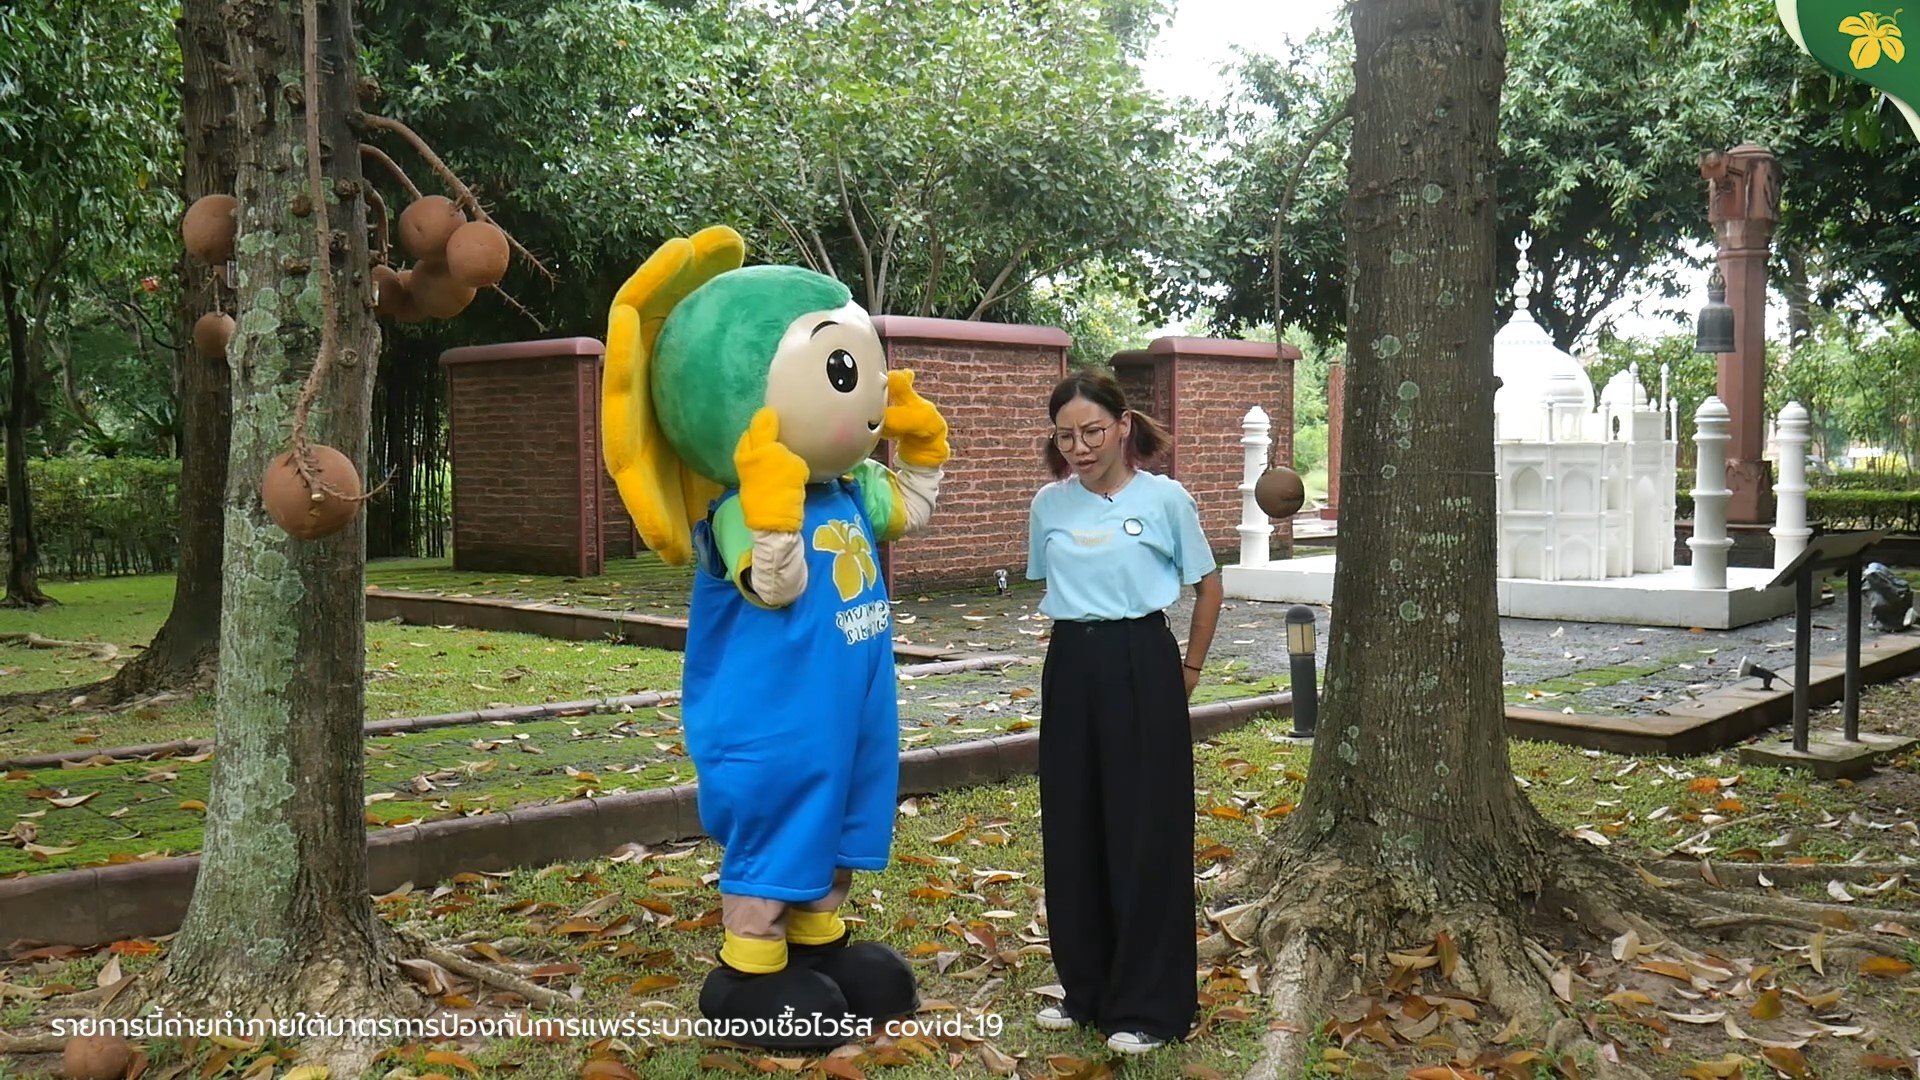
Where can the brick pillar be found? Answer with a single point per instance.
(524, 438)
(991, 382)
(1743, 203)
(1210, 384)
(1336, 406)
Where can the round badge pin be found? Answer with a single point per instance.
(1132, 526)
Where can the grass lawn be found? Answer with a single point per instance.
(634, 933)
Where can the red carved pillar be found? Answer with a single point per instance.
(1336, 404)
(1743, 203)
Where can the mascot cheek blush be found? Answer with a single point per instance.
(740, 409)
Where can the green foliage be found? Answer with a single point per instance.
(939, 156)
(1224, 260)
(1867, 480)
(561, 117)
(1100, 308)
(1606, 108)
(1896, 511)
(88, 144)
(1602, 126)
(105, 517)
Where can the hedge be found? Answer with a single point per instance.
(1838, 511)
(102, 517)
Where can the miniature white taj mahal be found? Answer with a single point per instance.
(1586, 492)
(1587, 489)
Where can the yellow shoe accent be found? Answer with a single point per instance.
(753, 956)
(814, 927)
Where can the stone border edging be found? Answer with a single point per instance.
(100, 905)
(514, 713)
(560, 622)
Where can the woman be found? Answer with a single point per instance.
(1114, 544)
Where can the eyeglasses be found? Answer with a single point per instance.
(1090, 437)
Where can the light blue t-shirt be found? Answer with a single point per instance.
(1119, 558)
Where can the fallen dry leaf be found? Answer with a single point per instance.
(996, 1060)
(1885, 966)
(1786, 1059)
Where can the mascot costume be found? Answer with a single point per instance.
(740, 407)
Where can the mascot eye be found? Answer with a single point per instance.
(842, 372)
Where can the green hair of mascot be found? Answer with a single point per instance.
(711, 361)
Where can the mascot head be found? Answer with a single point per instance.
(696, 344)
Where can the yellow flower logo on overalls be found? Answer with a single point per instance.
(853, 565)
(1874, 36)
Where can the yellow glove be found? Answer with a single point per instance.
(915, 423)
(773, 479)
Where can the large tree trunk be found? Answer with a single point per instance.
(186, 649)
(281, 919)
(23, 550)
(1411, 825)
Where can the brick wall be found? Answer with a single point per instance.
(618, 538)
(1214, 394)
(524, 433)
(1149, 389)
(991, 382)
(1210, 384)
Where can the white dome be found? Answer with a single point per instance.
(1528, 366)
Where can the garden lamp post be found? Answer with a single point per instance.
(1300, 648)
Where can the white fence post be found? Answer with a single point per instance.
(1710, 542)
(1790, 531)
(1256, 533)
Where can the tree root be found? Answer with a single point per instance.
(32, 1044)
(1784, 873)
(490, 976)
(1773, 902)
(1327, 932)
(102, 651)
(1885, 945)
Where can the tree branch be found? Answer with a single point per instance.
(992, 295)
(379, 206)
(452, 181)
(859, 238)
(375, 154)
(1286, 198)
(937, 265)
(323, 260)
(886, 258)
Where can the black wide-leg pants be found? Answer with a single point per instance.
(1116, 819)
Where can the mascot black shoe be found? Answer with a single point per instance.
(741, 408)
(875, 979)
(776, 1007)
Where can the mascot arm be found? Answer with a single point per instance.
(758, 529)
(898, 502)
(769, 568)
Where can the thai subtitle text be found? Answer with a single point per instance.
(513, 1025)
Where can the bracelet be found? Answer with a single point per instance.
(1189, 667)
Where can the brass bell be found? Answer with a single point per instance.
(1713, 334)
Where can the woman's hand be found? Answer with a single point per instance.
(1192, 678)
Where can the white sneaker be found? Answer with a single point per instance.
(1134, 1042)
(1052, 1018)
